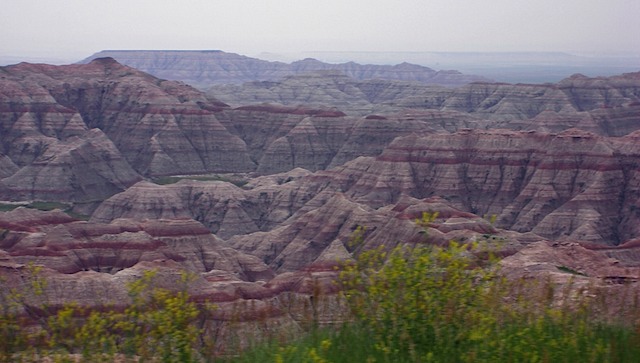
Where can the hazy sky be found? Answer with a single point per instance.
(77, 28)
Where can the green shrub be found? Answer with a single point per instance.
(166, 180)
(431, 304)
(422, 301)
(8, 207)
(48, 206)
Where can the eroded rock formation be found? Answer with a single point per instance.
(557, 164)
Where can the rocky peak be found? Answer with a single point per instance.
(105, 61)
(307, 62)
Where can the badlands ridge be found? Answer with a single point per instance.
(270, 190)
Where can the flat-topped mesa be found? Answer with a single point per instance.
(203, 69)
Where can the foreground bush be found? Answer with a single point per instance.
(431, 304)
(425, 303)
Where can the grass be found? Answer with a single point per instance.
(48, 206)
(174, 179)
(569, 270)
(160, 325)
(354, 343)
(427, 304)
(45, 206)
(349, 343)
(8, 207)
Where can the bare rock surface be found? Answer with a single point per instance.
(159, 127)
(297, 223)
(324, 236)
(532, 182)
(7, 167)
(290, 137)
(83, 168)
(29, 220)
(131, 122)
(308, 247)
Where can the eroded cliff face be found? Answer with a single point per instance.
(280, 139)
(82, 133)
(569, 185)
(92, 263)
(158, 127)
(81, 169)
(573, 184)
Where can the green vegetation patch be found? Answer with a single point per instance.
(48, 206)
(8, 207)
(425, 303)
(174, 179)
(44, 206)
(569, 270)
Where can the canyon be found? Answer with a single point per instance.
(258, 187)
